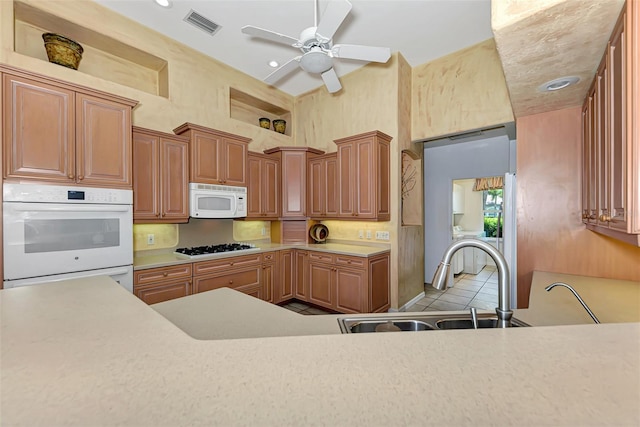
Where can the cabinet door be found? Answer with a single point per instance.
(174, 177)
(330, 185)
(103, 142)
(619, 139)
(235, 163)
(38, 130)
(586, 154)
(346, 188)
(603, 150)
(146, 191)
(254, 187)
(321, 284)
(351, 290)
(366, 177)
(315, 195)
(294, 181)
(267, 281)
(165, 291)
(204, 152)
(301, 279)
(271, 189)
(283, 288)
(593, 160)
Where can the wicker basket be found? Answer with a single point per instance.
(62, 50)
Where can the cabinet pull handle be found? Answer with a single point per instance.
(80, 177)
(231, 282)
(165, 274)
(70, 176)
(157, 215)
(231, 263)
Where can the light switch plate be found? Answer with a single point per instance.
(368, 234)
(382, 235)
(151, 239)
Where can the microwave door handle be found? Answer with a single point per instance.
(70, 208)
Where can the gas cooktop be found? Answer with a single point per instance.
(212, 250)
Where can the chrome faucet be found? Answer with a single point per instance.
(441, 277)
(584, 304)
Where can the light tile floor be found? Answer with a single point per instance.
(302, 308)
(469, 290)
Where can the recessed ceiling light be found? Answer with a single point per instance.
(163, 3)
(273, 64)
(557, 84)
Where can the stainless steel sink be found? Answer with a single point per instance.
(417, 322)
(468, 324)
(384, 325)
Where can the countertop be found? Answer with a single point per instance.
(87, 352)
(612, 301)
(142, 261)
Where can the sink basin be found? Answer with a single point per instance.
(468, 323)
(383, 325)
(417, 322)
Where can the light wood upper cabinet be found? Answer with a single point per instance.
(611, 136)
(216, 157)
(364, 176)
(293, 178)
(161, 177)
(263, 190)
(62, 133)
(322, 182)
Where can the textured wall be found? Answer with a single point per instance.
(458, 92)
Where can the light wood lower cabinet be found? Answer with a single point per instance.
(347, 284)
(162, 284)
(242, 273)
(283, 288)
(342, 283)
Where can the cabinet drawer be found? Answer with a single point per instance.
(153, 294)
(321, 257)
(233, 280)
(222, 265)
(269, 257)
(152, 275)
(348, 261)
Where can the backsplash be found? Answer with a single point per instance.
(165, 236)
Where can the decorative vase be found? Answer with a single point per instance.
(279, 125)
(62, 50)
(264, 122)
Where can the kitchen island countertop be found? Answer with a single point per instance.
(86, 352)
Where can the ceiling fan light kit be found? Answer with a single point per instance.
(317, 47)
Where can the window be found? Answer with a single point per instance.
(492, 210)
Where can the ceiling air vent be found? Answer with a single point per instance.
(205, 24)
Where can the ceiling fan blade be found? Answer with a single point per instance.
(361, 53)
(283, 71)
(334, 14)
(269, 35)
(331, 81)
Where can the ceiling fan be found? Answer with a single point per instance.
(317, 46)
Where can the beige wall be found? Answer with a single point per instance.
(551, 235)
(459, 92)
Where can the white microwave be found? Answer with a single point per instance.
(217, 201)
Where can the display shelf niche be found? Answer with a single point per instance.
(249, 109)
(103, 57)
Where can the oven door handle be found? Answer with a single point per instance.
(71, 208)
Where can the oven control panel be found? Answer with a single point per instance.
(37, 193)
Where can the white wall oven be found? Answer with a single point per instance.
(55, 233)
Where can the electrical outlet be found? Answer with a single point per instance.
(382, 235)
(368, 234)
(264, 231)
(361, 234)
(151, 239)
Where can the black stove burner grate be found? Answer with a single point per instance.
(213, 249)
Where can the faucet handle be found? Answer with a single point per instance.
(474, 317)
